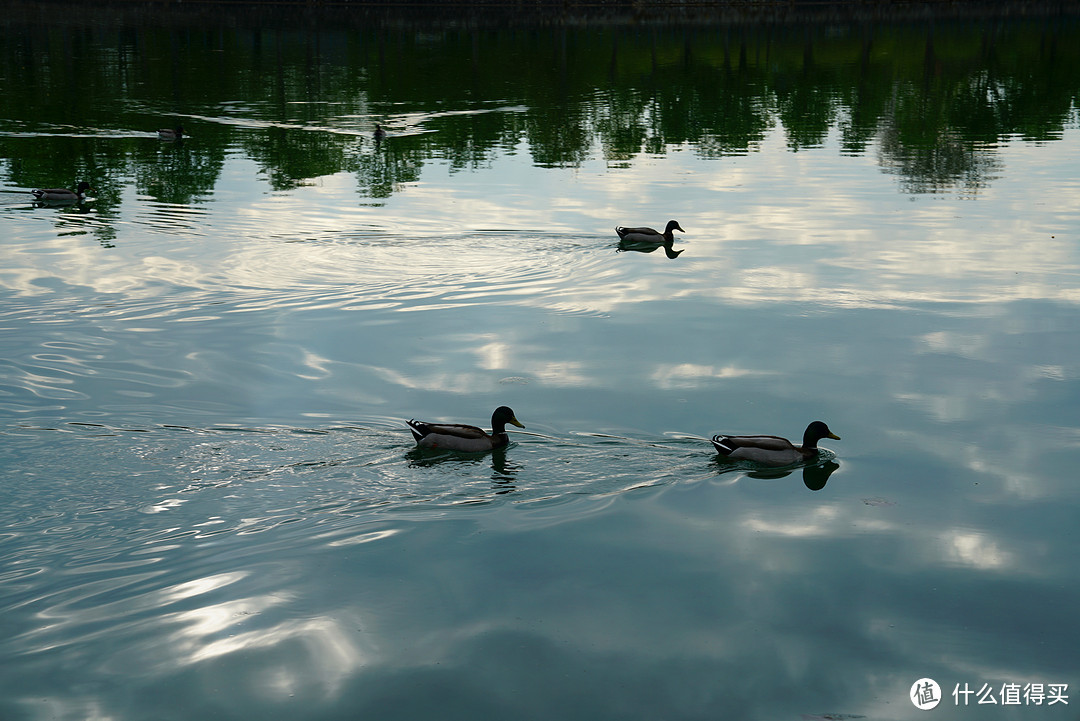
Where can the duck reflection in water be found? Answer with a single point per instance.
(503, 471)
(669, 251)
(814, 477)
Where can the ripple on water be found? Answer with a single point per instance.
(417, 273)
(187, 544)
(202, 282)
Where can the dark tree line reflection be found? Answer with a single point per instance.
(299, 99)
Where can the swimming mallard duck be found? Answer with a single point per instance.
(380, 134)
(62, 195)
(773, 450)
(460, 437)
(649, 235)
(176, 133)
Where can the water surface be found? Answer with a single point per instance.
(211, 504)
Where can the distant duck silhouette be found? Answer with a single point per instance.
(380, 134)
(61, 196)
(774, 450)
(176, 133)
(649, 235)
(460, 437)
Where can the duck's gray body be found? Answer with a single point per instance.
(774, 450)
(649, 235)
(62, 195)
(461, 437)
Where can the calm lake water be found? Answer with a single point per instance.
(210, 507)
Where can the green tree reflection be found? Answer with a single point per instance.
(299, 95)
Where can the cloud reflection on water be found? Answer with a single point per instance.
(605, 564)
(795, 249)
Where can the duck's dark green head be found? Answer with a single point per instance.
(674, 225)
(501, 417)
(815, 432)
(83, 187)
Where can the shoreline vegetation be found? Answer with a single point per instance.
(931, 99)
(528, 12)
